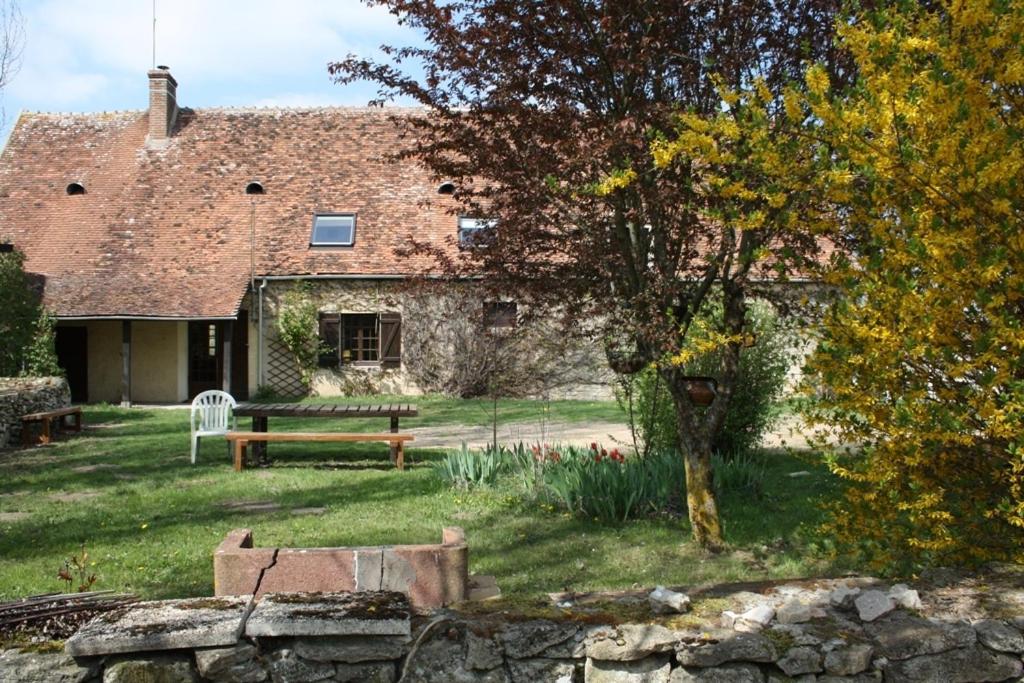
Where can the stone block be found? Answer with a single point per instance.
(528, 639)
(34, 667)
(665, 601)
(159, 669)
(800, 660)
(965, 665)
(629, 642)
(729, 673)
(904, 596)
(725, 646)
(999, 636)
(330, 614)
(849, 660)
(655, 669)
(793, 612)
(547, 670)
(162, 625)
(440, 658)
(873, 604)
(287, 667)
(352, 649)
(902, 636)
(842, 597)
(236, 664)
(482, 653)
(368, 672)
(754, 619)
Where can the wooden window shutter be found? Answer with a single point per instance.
(330, 341)
(390, 340)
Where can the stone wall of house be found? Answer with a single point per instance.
(826, 631)
(281, 375)
(21, 396)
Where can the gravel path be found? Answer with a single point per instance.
(608, 434)
(575, 433)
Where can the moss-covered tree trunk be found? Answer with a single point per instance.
(701, 504)
(695, 442)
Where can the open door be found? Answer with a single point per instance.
(205, 357)
(240, 356)
(73, 358)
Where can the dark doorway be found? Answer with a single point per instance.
(240, 356)
(73, 359)
(205, 357)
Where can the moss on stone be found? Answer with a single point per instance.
(780, 639)
(22, 642)
(210, 603)
(609, 611)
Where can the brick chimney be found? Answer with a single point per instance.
(163, 104)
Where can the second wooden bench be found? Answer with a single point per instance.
(242, 439)
(47, 418)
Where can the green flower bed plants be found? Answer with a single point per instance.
(595, 482)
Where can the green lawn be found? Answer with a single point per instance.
(150, 520)
(438, 410)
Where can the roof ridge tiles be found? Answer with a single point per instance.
(244, 109)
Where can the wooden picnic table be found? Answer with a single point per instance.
(262, 412)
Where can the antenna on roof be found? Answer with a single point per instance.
(154, 34)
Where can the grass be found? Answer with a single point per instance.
(437, 411)
(150, 520)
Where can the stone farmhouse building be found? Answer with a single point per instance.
(166, 238)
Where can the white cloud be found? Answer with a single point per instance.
(77, 48)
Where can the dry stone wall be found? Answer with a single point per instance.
(21, 396)
(853, 631)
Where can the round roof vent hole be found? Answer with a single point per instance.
(254, 187)
(76, 188)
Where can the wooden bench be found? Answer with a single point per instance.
(46, 418)
(242, 439)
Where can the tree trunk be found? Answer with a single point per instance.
(700, 500)
(695, 443)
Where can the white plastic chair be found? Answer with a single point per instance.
(212, 415)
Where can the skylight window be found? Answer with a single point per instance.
(334, 230)
(475, 232)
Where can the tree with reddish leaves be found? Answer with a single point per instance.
(543, 115)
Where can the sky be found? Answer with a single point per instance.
(92, 55)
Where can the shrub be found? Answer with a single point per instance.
(920, 362)
(41, 353)
(297, 329)
(752, 410)
(19, 311)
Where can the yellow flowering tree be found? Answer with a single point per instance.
(921, 361)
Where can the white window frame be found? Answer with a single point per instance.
(316, 218)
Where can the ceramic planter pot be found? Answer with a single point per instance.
(701, 390)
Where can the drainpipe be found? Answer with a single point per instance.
(259, 338)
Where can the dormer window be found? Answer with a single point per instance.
(333, 230)
(475, 232)
(75, 188)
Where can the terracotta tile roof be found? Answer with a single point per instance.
(165, 232)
